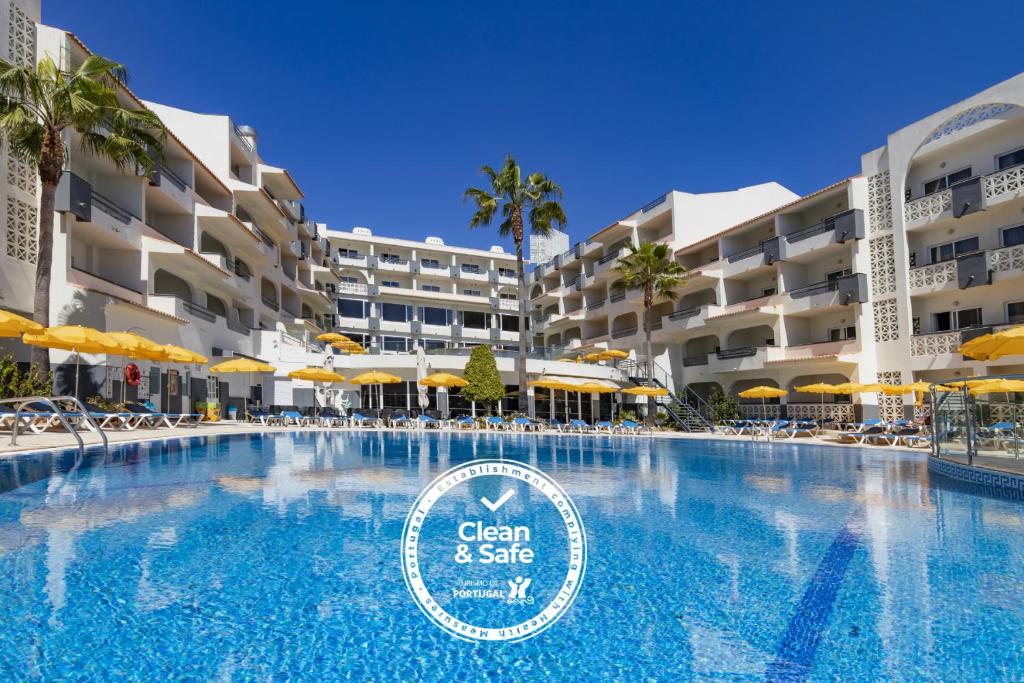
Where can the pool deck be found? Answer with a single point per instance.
(55, 440)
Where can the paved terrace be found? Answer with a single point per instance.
(59, 439)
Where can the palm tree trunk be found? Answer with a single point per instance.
(524, 403)
(650, 366)
(44, 263)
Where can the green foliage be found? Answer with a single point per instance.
(723, 407)
(485, 385)
(15, 382)
(627, 415)
(650, 267)
(537, 197)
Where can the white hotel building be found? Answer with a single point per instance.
(877, 277)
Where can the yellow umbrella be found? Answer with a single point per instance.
(613, 354)
(76, 339)
(595, 388)
(763, 392)
(376, 377)
(242, 365)
(646, 391)
(14, 325)
(136, 346)
(316, 375)
(332, 337)
(995, 346)
(999, 386)
(592, 357)
(821, 388)
(443, 379)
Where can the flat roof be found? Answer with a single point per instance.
(332, 233)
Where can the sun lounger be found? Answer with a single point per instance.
(494, 422)
(801, 427)
(628, 427)
(358, 419)
(557, 425)
(525, 424)
(427, 422)
(861, 436)
(604, 426)
(155, 418)
(579, 426)
(464, 422)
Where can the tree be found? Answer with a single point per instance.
(650, 267)
(15, 382)
(481, 372)
(536, 201)
(37, 104)
(723, 407)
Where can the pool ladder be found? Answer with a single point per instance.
(25, 401)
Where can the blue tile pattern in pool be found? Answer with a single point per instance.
(276, 557)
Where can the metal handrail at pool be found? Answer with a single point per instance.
(978, 430)
(25, 401)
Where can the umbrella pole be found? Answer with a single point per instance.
(78, 361)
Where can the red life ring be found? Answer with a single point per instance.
(132, 374)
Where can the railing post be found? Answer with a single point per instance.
(968, 423)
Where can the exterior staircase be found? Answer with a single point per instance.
(688, 410)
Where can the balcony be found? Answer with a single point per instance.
(692, 361)
(828, 295)
(99, 283)
(504, 304)
(624, 332)
(688, 319)
(238, 327)
(272, 304)
(354, 262)
(837, 229)
(596, 305)
(968, 270)
(738, 359)
(239, 137)
(974, 194)
(471, 274)
(844, 350)
(763, 254)
(393, 264)
(932, 277)
(357, 288)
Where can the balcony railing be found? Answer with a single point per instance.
(106, 279)
(199, 311)
(816, 288)
(238, 327)
(270, 303)
(740, 255)
(241, 138)
(111, 209)
(738, 352)
(690, 361)
(610, 256)
(933, 274)
(935, 343)
(595, 305)
(175, 179)
(684, 313)
(624, 332)
(618, 295)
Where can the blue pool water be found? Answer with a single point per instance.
(277, 558)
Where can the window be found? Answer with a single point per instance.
(395, 313)
(471, 268)
(768, 291)
(509, 296)
(510, 323)
(939, 184)
(1009, 159)
(396, 344)
(433, 344)
(950, 250)
(506, 272)
(475, 321)
(835, 275)
(390, 258)
(430, 288)
(352, 308)
(435, 316)
(471, 292)
(947, 321)
(430, 263)
(842, 333)
(390, 283)
(1013, 236)
(347, 253)
(1015, 312)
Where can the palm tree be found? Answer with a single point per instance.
(37, 104)
(651, 268)
(537, 198)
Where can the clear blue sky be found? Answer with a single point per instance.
(385, 111)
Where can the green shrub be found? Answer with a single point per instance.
(485, 385)
(15, 382)
(723, 407)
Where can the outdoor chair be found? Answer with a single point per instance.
(861, 436)
(581, 426)
(604, 426)
(494, 422)
(428, 422)
(464, 422)
(525, 424)
(628, 427)
(801, 427)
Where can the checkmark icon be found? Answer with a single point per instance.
(493, 507)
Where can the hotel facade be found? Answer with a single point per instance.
(878, 277)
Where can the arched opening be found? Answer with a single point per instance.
(216, 305)
(624, 325)
(554, 340)
(751, 337)
(536, 291)
(696, 350)
(208, 244)
(168, 284)
(697, 299)
(659, 311)
(571, 335)
(269, 293)
(242, 269)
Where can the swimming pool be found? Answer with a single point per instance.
(277, 557)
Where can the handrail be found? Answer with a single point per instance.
(28, 400)
(740, 255)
